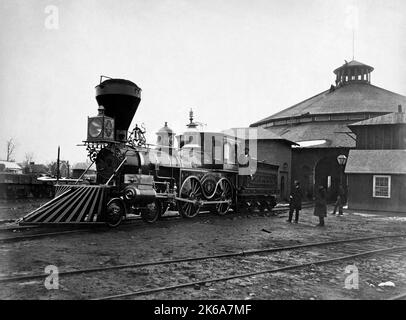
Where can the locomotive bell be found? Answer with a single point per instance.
(120, 99)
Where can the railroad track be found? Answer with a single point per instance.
(346, 254)
(401, 296)
(86, 228)
(285, 268)
(254, 273)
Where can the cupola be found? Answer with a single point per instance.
(353, 71)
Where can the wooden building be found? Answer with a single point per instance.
(376, 168)
(9, 166)
(319, 125)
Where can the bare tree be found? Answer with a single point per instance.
(28, 158)
(10, 149)
(52, 168)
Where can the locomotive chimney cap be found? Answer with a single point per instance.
(120, 99)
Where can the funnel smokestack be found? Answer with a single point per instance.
(120, 99)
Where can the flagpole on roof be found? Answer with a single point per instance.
(353, 42)
(57, 166)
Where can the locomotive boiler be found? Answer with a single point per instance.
(134, 178)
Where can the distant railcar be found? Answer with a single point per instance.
(18, 186)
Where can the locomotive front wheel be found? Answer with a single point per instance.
(191, 190)
(224, 193)
(153, 212)
(115, 213)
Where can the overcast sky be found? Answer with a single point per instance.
(233, 61)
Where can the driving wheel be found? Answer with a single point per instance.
(191, 191)
(224, 191)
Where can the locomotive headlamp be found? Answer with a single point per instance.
(95, 127)
(100, 128)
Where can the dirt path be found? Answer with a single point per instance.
(206, 235)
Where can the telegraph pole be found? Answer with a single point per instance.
(57, 166)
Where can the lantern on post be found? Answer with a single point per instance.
(342, 160)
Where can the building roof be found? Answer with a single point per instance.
(376, 161)
(354, 63)
(257, 133)
(392, 118)
(10, 165)
(83, 166)
(353, 97)
(335, 134)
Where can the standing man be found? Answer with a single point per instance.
(340, 201)
(245, 162)
(320, 205)
(295, 202)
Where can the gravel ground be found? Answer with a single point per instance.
(14, 209)
(207, 235)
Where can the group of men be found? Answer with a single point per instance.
(320, 205)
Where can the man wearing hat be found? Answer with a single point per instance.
(320, 205)
(295, 202)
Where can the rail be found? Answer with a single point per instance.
(200, 258)
(250, 274)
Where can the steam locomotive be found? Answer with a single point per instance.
(210, 170)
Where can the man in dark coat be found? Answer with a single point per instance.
(340, 201)
(295, 202)
(320, 205)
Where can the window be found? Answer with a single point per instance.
(305, 119)
(357, 117)
(381, 187)
(229, 155)
(322, 118)
(339, 117)
(280, 122)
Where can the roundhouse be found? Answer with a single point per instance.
(319, 125)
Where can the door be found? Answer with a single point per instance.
(283, 186)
